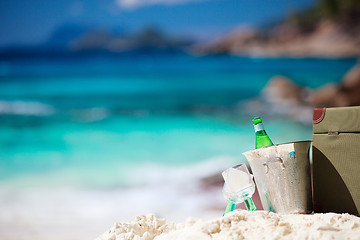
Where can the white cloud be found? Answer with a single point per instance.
(132, 4)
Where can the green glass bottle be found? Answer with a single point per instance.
(262, 139)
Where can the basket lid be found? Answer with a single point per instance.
(339, 119)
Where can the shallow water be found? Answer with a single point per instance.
(100, 139)
(109, 114)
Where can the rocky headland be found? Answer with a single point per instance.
(328, 29)
(328, 39)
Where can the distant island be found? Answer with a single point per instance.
(331, 28)
(76, 40)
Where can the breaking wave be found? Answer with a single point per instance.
(26, 108)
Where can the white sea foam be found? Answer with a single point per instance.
(174, 193)
(26, 108)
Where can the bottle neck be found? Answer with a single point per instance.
(258, 127)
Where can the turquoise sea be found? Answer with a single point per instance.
(89, 140)
(88, 120)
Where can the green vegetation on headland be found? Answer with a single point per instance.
(343, 12)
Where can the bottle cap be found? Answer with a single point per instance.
(256, 120)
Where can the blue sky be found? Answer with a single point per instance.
(33, 21)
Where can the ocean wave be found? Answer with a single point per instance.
(33, 108)
(171, 191)
(26, 108)
(178, 191)
(156, 174)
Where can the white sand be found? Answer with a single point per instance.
(240, 225)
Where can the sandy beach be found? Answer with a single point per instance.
(240, 225)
